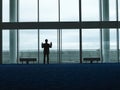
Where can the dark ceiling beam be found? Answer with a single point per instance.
(60, 25)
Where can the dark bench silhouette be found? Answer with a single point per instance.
(27, 60)
(91, 59)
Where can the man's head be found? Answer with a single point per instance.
(46, 40)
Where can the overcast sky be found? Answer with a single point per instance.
(48, 11)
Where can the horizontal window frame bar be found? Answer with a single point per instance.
(60, 25)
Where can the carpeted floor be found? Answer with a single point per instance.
(60, 77)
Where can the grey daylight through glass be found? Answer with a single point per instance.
(76, 21)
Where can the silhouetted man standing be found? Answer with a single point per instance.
(46, 47)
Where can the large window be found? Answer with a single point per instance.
(28, 44)
(48, 10)
(5, 44)
(5, 9)
(112, 10)
(90, 10)
(51, 35)
(119, 10)
(113, 45)
(70, 44)
(90, 43)
(69, 10)
(28, 11)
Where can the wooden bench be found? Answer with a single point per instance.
(91, 59)
(27, 60)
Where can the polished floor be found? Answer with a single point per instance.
(60, 77)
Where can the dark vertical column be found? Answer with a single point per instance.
(106, 32)
(17, 32)
(0, 32)
(80, 31)
(13, 32)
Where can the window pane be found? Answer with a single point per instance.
(51, 35)
(48, 10)
(28, 10)
(69, 10)
(90, 43)
(70, 46)
(28, 44)
(90, 10)
(5, 48)
(113, 46)
(5, 10)
(119, 9)
(112, 10)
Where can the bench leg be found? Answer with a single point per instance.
(91, 61)
(27, 62)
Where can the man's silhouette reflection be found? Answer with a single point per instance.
(46, 47)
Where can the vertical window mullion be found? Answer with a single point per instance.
(0, 31)
(100, 13)
(17, 32)
(117, 32)
(38, 34)
(80, 32)
(59, 35)
(60, 45)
